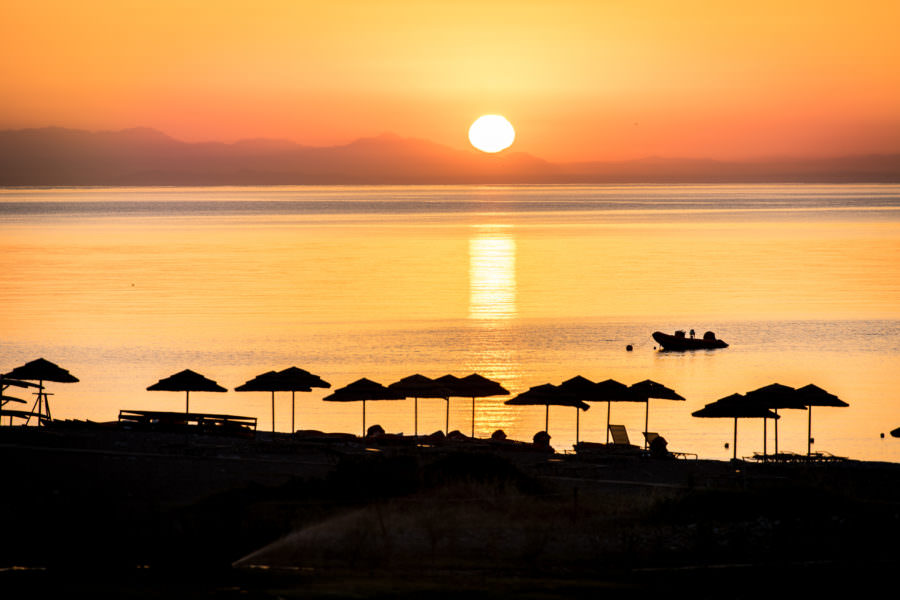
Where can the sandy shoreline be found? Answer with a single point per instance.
(331, 514)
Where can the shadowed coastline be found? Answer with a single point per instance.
(340, 517)
(56, 156)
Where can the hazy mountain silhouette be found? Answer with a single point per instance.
(142, 156)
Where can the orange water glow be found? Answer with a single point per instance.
(519, 297)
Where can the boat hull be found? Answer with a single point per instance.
(681, 344)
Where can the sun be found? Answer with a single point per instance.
(491, 133)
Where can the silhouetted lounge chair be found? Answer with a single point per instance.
(619, 435)
(662, 449)
(619, 446)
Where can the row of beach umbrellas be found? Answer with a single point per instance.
(295, 380)
(764, 403)
(575, 393)
(579, 390)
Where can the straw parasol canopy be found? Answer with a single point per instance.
(362, 390)
(455, 386)
(545, 395)
(418, 386)
(583, 389)
(644, 390)
(186, 381)
(775, 396)
(471, 386)
(812, 395)
(735, 407)
(295, 379)
(265, 382)
(609, 391)
(41, 370)
(292, 379)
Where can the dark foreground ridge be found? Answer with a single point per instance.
(139, 514)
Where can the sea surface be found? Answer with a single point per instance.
(523, 284)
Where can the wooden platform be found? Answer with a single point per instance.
(172, 421)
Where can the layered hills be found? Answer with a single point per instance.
(62, 157)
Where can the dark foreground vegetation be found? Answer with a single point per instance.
(141, 515)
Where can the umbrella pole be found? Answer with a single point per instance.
(416, 417)
(776, 433)
(547, 420)
(608, 408)
(735, 439)
(447, 418)
(809, 433)
(765, 437)
(187, 403)
(364, 419)
(577, 417)
(473, 416)
(293, 410)
(273, 412)
(646, 422)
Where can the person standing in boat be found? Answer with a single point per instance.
(692, 334)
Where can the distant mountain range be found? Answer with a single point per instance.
(55, 156)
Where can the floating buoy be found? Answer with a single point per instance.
(629, 348)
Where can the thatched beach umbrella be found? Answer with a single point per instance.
(812, 395)
(775, 396)
(581, 388)
(610, 391)
(644, 390)
(418, 386)
(545, 395)
(362, 390)
(471, 386)
(186, 381)
(295, 379)
(455, 386)
(41, 370)
(735, 407)
(266, 382)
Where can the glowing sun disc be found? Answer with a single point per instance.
(491, 133)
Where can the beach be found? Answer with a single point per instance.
(140, 510)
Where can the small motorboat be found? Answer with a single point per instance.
(680, 342)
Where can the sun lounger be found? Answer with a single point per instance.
(649, 436)
(620, 446)
(619, 435)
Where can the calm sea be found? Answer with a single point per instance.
(524, 284)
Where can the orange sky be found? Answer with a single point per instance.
(579, 80)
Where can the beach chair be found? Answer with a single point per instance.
(649, 436)
(619, 435)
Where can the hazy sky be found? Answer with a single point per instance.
(579, 80)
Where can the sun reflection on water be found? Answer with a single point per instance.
(492, 308)
(492, 274)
